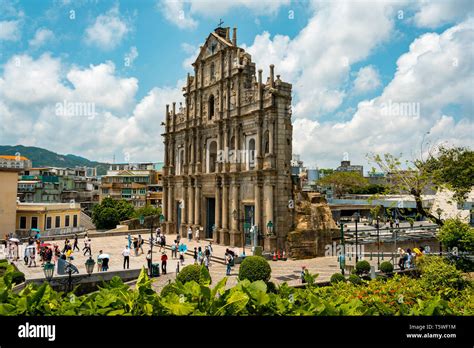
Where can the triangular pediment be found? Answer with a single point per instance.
(213, 44)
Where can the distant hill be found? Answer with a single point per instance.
(44, 158)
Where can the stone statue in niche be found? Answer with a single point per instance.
(233, 99)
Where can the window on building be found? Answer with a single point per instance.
(48, 222)
(211, 106)
(57, 222)
(34, 222)
(213, 71)
(74, 221)
(66, 223)
(251, 154)
(22, 222)
(212, 157)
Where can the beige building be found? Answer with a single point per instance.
(8, 193)
(228, 150)
(49, 218)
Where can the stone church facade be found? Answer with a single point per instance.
(228, 150)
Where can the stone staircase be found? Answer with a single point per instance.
(86, 221)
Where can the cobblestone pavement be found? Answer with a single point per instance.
(282, 271)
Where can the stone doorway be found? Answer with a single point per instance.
(210, 217)
(249, 211)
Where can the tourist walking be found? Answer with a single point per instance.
(178, 237)
(88, 247)
(181, 257)
(135, 246)
(148, 260)
(190, 234)
(129, 240)
(195, 255)
(197, 234)
(126, 257)
(140, 242)
(173, 250)
(105, 263)
(162, 242)
(397, 223)
(75, 243)
(228, 263)
(164, 260)
(99, 262)
(200, 256)
(66, 241)
(206, 262)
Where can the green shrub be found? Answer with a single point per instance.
(167, 289)
(355, 279)
(337, 277)
(272, 288)
(198, 273)
(255, 268)
(437, 273)
(18, 277)
(362, 267)
(386, 267)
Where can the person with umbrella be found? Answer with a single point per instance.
(105, 261)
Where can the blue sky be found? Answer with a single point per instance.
(346, 61)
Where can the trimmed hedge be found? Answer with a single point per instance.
(18, 277)
(337, 277)
(197, 273)
(355, 279)
(255, 268)
(362, 267)
(386, 267)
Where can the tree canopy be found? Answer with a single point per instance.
(451, 168)
(343, 182)
(110, 212)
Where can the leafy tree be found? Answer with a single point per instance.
(458, 236)
(449, 167)
(147, 210)
(110, 212)
(454, 169)
(343, 182)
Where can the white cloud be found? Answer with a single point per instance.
(176, 13)
(318, 60)
(183, 13)
(99, 84)
(10, 30)
(121, 125)
(433, 13)
(131, 56)
(108, 30)
(41, 37)
(367, 79)
(426, 76)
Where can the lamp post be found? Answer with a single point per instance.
(378, 243)
(90, 263)
(48, 270)
(151, 246)
(342, 258)
(357, 216)
(439, 211)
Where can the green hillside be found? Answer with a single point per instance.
(44, 158)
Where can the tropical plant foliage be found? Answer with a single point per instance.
(440, 291)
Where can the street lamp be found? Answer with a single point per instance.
(378, 243)
(151, 247)
(439, 211)
(357, 216)
(90, 263)
(48, 270)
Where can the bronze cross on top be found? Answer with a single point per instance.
(220, 23)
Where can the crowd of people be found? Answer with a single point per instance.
(408, 257)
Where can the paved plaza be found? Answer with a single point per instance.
(282, 271)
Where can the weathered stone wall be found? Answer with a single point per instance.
(315, 227)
